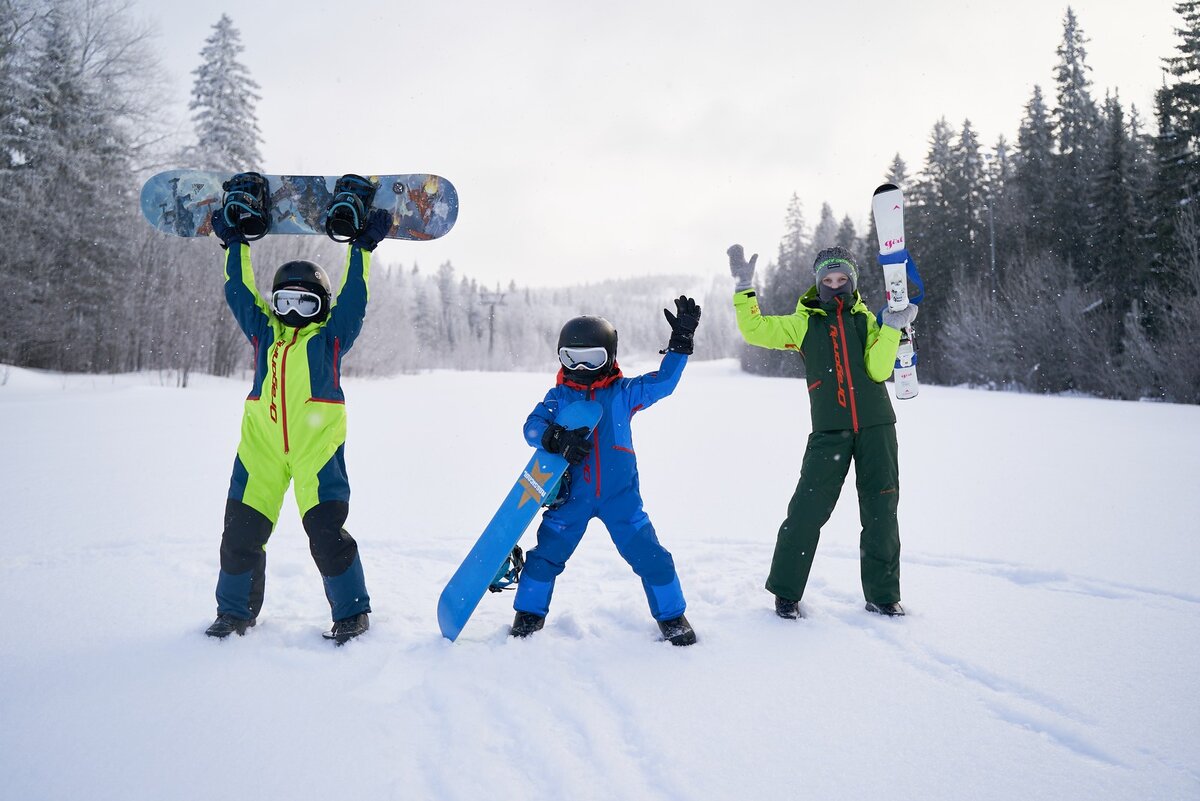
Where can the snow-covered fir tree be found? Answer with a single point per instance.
(67, 151)
(1077, 128)
(224, 97)
(1119, 252)
(966, 206)
(1032, 175)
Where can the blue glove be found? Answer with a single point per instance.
(227, 233)
(379, 223)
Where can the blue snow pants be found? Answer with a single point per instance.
(632, 532)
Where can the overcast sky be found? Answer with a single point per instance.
(605, 139)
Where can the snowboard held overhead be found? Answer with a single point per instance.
(181, 202)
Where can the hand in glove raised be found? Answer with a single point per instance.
(379, 223)
(739, 268)
(228, 234)
(683, 324)
(900, 319)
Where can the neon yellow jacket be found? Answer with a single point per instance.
(295, 411)
(847, 355)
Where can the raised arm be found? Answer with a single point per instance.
(784, 332)
(249, 309)
(346, 318)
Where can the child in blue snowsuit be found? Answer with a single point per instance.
(602, 480)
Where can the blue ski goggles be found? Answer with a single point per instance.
(301, 301)
(583, 358)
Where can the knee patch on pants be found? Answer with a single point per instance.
(246, 532)
(332, 547)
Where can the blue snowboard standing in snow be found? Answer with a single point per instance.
(603, 474)
(537, 486)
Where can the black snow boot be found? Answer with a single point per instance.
(226, 624)
(348, 628)
(526, 623)
(677, 631)
(788, 610)
(890, 610)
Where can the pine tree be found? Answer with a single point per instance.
(1121, 265)
(1003, 216)
(1032, 176)
(847, 237)
(933, 227)
(965, 201)
(788, 277)
(933, 193)
(14, 89)
(897, 172)
(1077, 128)
(72, 154)
(223, 101)
(1185, 91)
(825, 234)
(1176, 150)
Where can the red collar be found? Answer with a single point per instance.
(608, 380)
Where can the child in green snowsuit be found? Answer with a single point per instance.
(847, 356)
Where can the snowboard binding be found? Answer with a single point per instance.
(247, 204)
(509, 574)
(347, 213)
(563, 493)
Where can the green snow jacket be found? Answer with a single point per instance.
(847, 355)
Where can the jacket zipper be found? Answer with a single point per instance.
(337, 349)
(283, 388)
(596, 445)
(849, 376)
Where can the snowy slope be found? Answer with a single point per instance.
(1050, 650)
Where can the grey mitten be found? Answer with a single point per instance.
(740, 269)
(900, 319)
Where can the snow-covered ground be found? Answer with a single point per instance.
(1050, 651)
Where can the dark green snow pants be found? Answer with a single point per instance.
(826, 462)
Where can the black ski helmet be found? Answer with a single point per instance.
(302, 274)
(589, 332)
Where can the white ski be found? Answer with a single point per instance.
(887, 206)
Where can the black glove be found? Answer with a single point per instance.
(683, 324)
(379, 222)
(228, 234)
(572, 443)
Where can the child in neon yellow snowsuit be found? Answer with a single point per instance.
(294, 428)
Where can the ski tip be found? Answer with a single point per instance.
(885, 188)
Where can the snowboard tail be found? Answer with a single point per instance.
(181, 202)
(535, 487)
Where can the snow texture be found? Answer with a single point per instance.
(1049, 650)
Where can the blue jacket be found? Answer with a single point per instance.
(612, 466)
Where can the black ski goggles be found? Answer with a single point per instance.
(301, 301)
(583, 358)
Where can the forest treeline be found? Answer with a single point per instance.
(1068, 260)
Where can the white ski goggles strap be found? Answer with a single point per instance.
(301, 301)
(583, 358)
